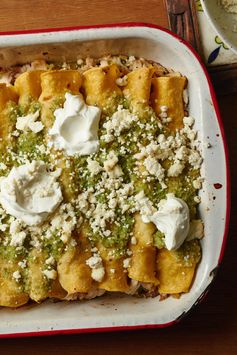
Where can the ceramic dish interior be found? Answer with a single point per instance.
(124, 312)
(224, 23)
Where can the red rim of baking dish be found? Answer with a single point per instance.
(228, 200)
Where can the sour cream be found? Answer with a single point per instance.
(172, 219)
(30, 193)
(75, 129)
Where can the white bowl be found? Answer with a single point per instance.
(222, 22)
(125, 312)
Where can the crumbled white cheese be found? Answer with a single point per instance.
(197, 199)
(116, 172)
(107, 233)
(94, 261)
(154, 150)
(165, 142)
(175, 169)
(15, 226)
(25, 123)
(197, 184)
(50, 261)
(121, 120)
(42, 149)
(64, 221)
(144, 206)
(35, 242)
(107, 138)
(195, 159)
(140, 155)
(50, 274)
(17, 234)
(93, 166)
(164, 114)
(6, 78)
(79, 61)
(122, 81)
(187, 131)
(196, 230)
(113, 203)
(131, 58)
(18, 239)
(16, 275)
(126, 262)
(98, 274)
(133, 240)
(15, 133)
(22, 264)
(124, 207)
(104, 63)
(182, 153)
(82, 202)
(100, 216)
(111, 161)
(188, 121)
(3, 166)
(163, 108)
(3, 227)
(96, 264)
(155, 168)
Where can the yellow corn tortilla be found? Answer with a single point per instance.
(73, 272)
(55, 84)
(100, 88)
(174, 277)
(28, 86)
(8, 94)
(143, 259)
(115, 278)
(137, 90)
(12, 293)
(168, 91)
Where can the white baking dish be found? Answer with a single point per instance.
(124, 312)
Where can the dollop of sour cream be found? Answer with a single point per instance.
(75, 129)
(172, 219)
(30, 193)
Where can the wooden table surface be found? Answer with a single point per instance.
(212, 327)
